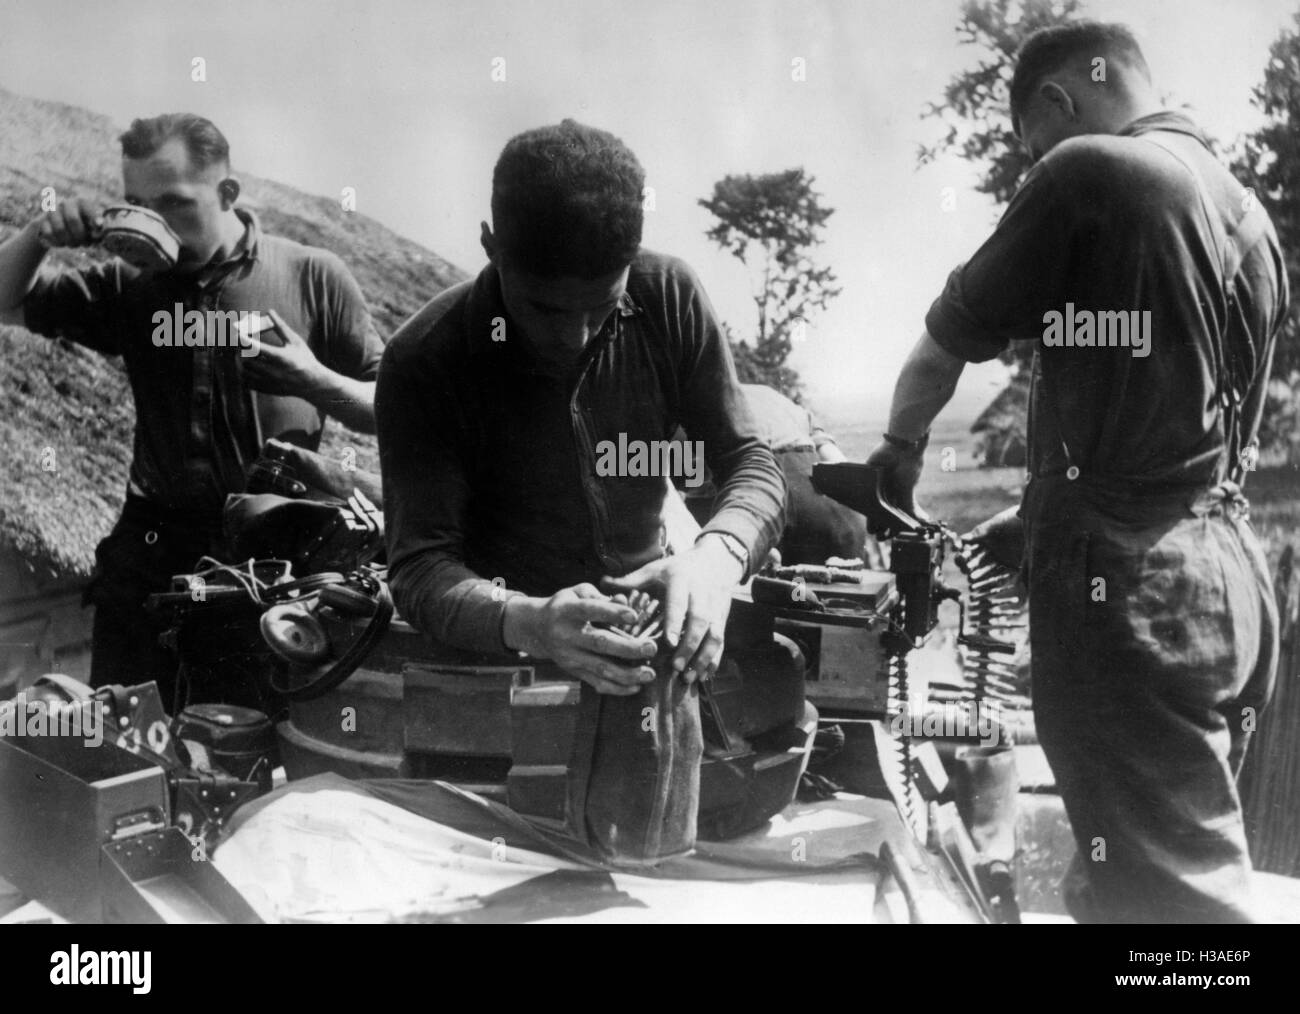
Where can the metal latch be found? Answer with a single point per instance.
(139, 822)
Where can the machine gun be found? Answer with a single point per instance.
(918, 549)
(991, 605)
(917, 554)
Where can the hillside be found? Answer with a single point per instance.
(64, 407)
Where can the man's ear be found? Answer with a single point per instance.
(229, 191)
(488, 240)
(1058, 97)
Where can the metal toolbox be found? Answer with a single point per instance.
(159, 877)
(61, 801)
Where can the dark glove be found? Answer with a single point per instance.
(900, 472)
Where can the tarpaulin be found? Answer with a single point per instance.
(331, 850)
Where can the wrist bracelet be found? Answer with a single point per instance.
(912, 446)
(733, 546)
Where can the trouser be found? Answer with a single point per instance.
(1154, 648)
(145, 549)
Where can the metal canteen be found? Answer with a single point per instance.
(140, 237)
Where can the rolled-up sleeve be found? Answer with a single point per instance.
(354, 347)
(751, 487)
(423, 457)
(1001, 293)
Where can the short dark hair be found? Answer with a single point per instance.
(1050, 49)
(206, 145)
(567, 202)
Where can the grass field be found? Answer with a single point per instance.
(971, 494)
(963, 497)
(1274, 495)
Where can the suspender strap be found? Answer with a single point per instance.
(1234, 242)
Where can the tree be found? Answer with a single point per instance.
(1268, 161)
(976, 106)
(770, 222)
(976, 113)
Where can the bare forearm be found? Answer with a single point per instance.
(520, 624)
(925, 386)
(351, 402)
(20, 259)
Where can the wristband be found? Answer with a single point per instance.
(911, 446)
(733, 546)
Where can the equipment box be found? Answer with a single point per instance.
(460, 710)
(61, 801)
(159, 877)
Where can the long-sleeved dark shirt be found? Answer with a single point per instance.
(1119, 224)
(491, 485)
(198, 424)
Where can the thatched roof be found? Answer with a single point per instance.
(1008, 411)
(1000, 430)
(59, 398)
(65, 424)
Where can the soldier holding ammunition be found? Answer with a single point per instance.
(493, 397)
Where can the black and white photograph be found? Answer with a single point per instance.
(611, 462)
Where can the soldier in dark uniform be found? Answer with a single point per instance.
(1153, 288)
(202, 412)
(494, 398)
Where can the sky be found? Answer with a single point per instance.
(402, 101)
